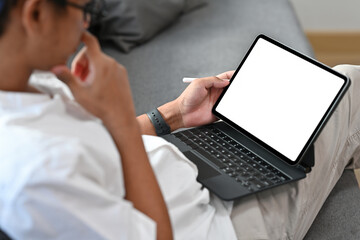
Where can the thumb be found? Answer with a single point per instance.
(64, 74)
(215, 82)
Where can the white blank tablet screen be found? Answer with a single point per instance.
(279, 97)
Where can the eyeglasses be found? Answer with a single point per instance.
(93, 10)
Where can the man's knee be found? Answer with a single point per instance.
(351, 71)
(352, 97)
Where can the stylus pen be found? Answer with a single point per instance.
(189, 80)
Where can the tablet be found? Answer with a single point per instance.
(280, 98)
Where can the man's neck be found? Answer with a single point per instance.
(15, 73)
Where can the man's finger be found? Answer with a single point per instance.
(64, 74)
(92, 44)
(222, 83)
(226, 75)
(210, 82)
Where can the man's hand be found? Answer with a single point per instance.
(196, 102)
(193, 107)
(99, 84)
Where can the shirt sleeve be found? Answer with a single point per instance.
(68, 194)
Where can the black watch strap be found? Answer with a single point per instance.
(161, 127)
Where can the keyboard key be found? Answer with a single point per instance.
(245, 151)
(207, 140)
(229, 155)
(235, 152)
(267, 183)
(250, 178)
(240, 163)
(206, 147)
(247, 160)
(257, 183)
(221, 135)
(235, 160)
(277, 180)
(269, 175)
(257, 174)
(263, 170)
(194, 139)
(238, 179)
(274, 178)
(282, 176)
(180, 136)
(228, 170)
(244, 174)
(191, 144)
(211, 158)
(245, 183)
(225, 160)
(216, 131)
(256, 166)
(271, 169)
(227, 139)
(187, 134)
(217, 147)
(233, 174)
(230, 164)
(200, 135)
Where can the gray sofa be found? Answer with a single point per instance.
(203, 42)
(212, 39)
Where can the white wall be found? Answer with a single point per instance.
(328, 15)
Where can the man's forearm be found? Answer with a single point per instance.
(171, 114)
(142, 188)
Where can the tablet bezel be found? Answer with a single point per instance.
(319, 126)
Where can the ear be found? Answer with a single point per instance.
(33, 16)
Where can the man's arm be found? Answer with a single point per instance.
(101, 86)
(192, 108)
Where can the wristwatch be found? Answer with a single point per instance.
(161, 127)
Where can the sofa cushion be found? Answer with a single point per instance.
(131, 22)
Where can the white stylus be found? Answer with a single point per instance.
(188, 80)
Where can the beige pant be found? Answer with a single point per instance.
(287, 212)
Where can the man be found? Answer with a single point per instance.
(79, 169)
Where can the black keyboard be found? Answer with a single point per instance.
(232, 158)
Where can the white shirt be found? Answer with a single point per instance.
(61, 176)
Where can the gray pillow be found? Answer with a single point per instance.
(129, 23)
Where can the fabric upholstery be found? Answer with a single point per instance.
(204, 42)
(128, 23)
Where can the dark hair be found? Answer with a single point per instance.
(7, 5)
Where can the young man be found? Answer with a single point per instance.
(79, 169)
